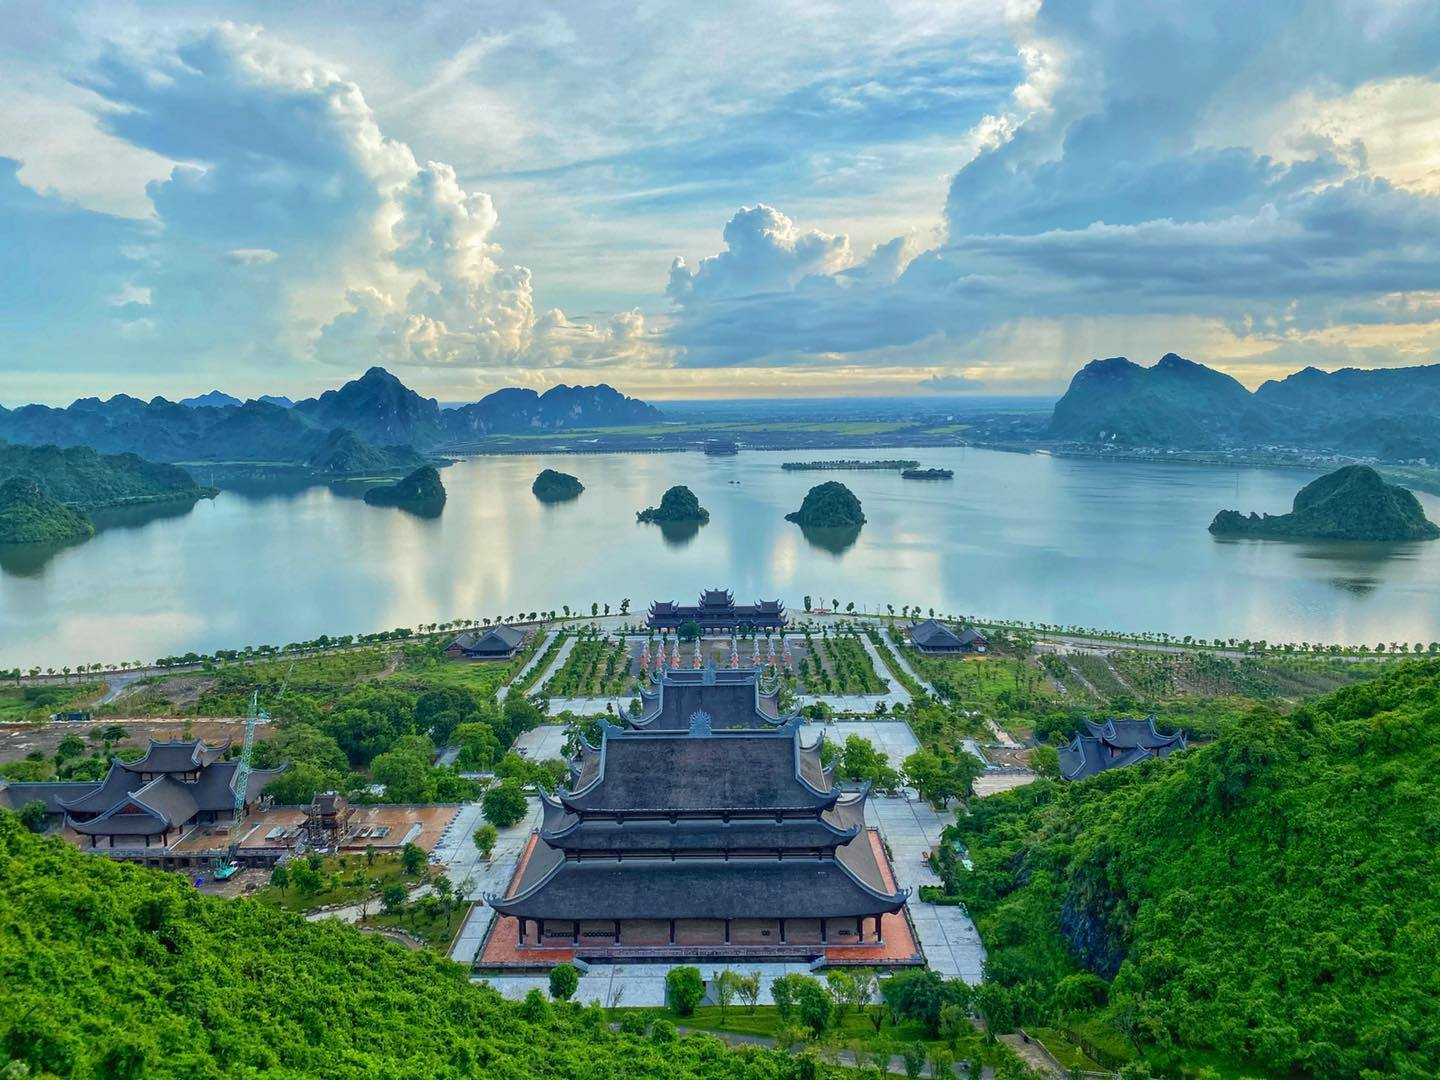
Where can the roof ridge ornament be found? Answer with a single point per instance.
(700, 723)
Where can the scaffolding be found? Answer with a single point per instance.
(327, 821)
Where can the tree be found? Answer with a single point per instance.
(412, 859)
(70, 746)
(406, 775)
(747, 989)
(280, 877)
(485, 837)
(913, 1055)
(813, 1005)
(504, 804)
(684, 989)
(32, 815)
(725, 990)
(392, 899)
(1045, 760)
(564, 981)
(689, 630)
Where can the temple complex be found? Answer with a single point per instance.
(151, 802)
(1113, 745)
(717, 610)
(704, 827)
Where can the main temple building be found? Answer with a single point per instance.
(717, 610)
(704, 827)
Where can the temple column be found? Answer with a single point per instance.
(860, 928)
(727, 931)
(782, 931)
(617, 931)
(878, 935)
(539, 931)
(824, 931)
(672, 931)
(521, 920)
(575, 937)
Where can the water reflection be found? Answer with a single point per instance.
(678, 534)
(30, 560)
(836, 541)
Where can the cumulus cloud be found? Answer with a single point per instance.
(1112, 187)
(764, 251)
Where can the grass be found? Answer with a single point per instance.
(436, 931)
(844, 667)
(385, 869)
(1063, 1049)
(34, 704)
(593, 669)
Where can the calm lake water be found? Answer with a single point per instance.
(1099, 544)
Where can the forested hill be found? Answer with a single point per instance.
(1273, 897)
(1388, 413)
(79, 477)
(117, 971)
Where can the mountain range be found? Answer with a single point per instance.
(1392, 414)
(384, 416)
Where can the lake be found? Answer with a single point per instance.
(1024, 536)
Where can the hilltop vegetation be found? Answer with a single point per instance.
(421, 492)
(678, 506)
(552, 486)
(30, 516)
(830, 505)
(1272, 898)
(79, 477)
(343, 453)
(1352, 503)
(118, 971)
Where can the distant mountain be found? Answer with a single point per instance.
(1393, 414)
(277, 399)
(1352, 503)
(79, 477)
(343, 453)
(30, 515)
(377, 408)
(213, 400)
(514, 410)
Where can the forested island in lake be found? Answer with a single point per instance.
(927, 474)
(421, 492)
(1351, 503)
(830, 505)
(850, 465)
(554, 486)
(678, 506)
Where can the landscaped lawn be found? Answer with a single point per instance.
(384, 869)
(34, 704)
(437, 931)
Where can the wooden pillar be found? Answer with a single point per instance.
(672, 931)
(782, 931)
(539, 931)
(727, 931)
(824, 931)
(520, 919)
(860, 928)
(575, 938)
(878, 935)
(617, 931)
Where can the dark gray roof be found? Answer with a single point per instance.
(702, 834)
(499, 638)
(1124, 734)
(173, 803)
(14, 795)
(1115, 744)
(662, 888)
(932, 633)
(97, 798)
(177, 756)
(681, 771)
(730, 697)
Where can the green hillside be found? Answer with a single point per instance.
(79, 477)
(1270, 901)
(1351, 503)
(28, 515)
(117, 971)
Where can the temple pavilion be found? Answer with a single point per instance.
(717, 610)
(704, 827)
(1115, 744)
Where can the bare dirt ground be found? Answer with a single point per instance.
(17, 741)
(179, 691)
(1006, 755)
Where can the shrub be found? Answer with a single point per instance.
(684, 989)
(504, 804)
(564, 981)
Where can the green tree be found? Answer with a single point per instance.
(813, 1005)
(1045, 760)
(504, 804)
(684, 989)
(689, 630)
(406, 774)
(485, 837)
(392, 898)
(33, 815)
(412, 859)
(564, 981)
(280, 877)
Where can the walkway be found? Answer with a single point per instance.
(535, 658)
(462, 860)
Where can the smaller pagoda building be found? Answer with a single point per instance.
(705, 827)
(152, 801)
(717, 610)
(1115, 744)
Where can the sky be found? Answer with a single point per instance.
(761, 198)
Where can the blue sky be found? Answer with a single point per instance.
(756, 199)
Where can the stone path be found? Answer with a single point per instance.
(462, 859)
(535, 658)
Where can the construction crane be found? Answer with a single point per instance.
(226, 865)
